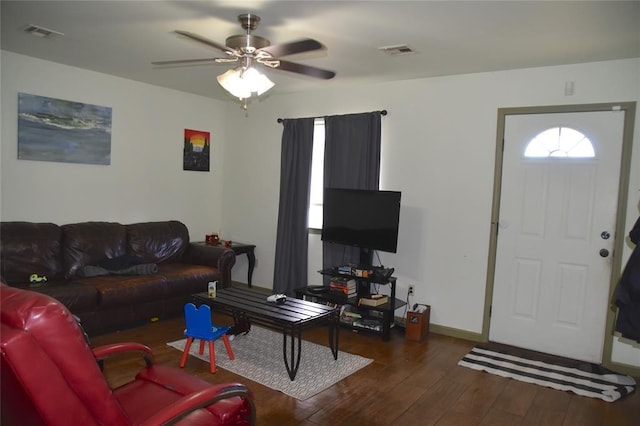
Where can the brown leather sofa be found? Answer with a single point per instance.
(111, 301)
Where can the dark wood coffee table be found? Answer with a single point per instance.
(290, 318)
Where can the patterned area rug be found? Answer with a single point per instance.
(258, 357)
(586, 379)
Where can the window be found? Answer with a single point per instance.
(317, 176)
(560, 142)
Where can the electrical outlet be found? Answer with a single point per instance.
(411, 289)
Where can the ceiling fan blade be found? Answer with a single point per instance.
(185, 61)
(305, 69)
(206, 41)
(300, 46)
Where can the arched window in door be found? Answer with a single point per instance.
(560, 142)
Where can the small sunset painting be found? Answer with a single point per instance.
(196, 150)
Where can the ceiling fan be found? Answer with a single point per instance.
(248, 49)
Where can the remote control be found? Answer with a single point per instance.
(277, 298)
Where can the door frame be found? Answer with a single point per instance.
(623, 190)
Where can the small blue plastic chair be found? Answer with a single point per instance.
(199, 326)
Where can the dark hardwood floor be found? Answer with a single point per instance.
(409, 383)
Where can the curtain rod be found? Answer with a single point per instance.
(383, 112)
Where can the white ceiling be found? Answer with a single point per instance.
(122, 38)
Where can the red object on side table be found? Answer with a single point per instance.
(213, 239)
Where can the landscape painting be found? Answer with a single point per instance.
(64, 131)
(196, 150)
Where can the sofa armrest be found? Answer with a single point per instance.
(105, 351)
(204, 398)
(219, 257)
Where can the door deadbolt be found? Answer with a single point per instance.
(604, 252)
(605, 235)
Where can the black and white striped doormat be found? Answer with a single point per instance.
(591, 380)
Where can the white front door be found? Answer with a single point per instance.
(555, 234)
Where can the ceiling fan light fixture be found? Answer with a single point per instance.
(245, 82)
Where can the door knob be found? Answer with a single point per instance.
(605, 235)
(604, 252)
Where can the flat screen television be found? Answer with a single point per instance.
(362, 218)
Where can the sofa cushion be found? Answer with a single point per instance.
(157, 242)
(88, 243)
(188, 279)
(29, 248)
(123, 290)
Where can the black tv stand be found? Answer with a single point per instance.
(384, 314)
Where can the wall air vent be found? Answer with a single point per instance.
(39, 31)
(401, 49)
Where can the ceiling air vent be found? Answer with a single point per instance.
(401, 49)
(39, 31)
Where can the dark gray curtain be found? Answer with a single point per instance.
(290, 270)
(351, 160)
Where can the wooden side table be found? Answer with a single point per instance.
(241, 248)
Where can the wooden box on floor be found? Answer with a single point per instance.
(417, 325)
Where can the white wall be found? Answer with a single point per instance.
(438, 149)
(145, 180)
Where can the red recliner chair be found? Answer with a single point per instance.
(50, 376)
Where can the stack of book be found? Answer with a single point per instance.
(345, 269)
(373, 300)
(345, 285)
